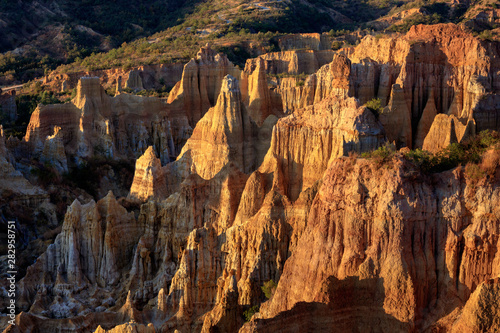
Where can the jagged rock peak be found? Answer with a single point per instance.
(89, 89)
(230, 85)
(222, 136)
(131, 327)
(149, 178)
(149, 154)
(206, 53)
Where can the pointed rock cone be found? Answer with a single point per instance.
(149, 179)
(221, 136)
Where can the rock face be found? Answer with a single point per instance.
(13, 184)
(8, 106)
(401, 239)
(113, 127)
(431, 70)
(149, 179)
(150, 77)
(134, 81)
(54, 152)
(326, 130)
(223, 135)
(96, 243)
(481, 312)
(128, 328)
(257, 98)
(269, 187)
(200, 84)
(225, 316)
(311, 41)
(446, 130)
(295, 62)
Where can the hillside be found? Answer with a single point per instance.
(41, 35)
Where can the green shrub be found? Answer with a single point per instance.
(487, 138)
(474, 173)
(450, 157)
(336, 45)
(250, 312)
(375, 105)
(269, 288)
(469, 152)
(486, 35)
(421, 158)
(382, 153)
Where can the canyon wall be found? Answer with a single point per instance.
(243, 177)
(150, 76)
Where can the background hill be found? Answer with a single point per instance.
(39, 36)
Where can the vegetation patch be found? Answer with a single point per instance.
(248, 314)
(382, 153)
(269, 288)
(375, 106)
(469, 152)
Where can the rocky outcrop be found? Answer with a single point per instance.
(437, 67)
(124, 126)
(53, 151)
(481, 312)
(45, 117)
(225, 316)
(14, 186)
(294, 62)
(149, 178)
(200, 84)
(396, 18)
(407, 240)
(96, 243)
(113, 127)
(396, 118)
(426, 121)
(259, 101)
(134, 81)
(446, 130)
(310, 41)
(353, 243)
(329, 129)
(481, 17)
(223, 135)
(128, 328)
(8, 106)
(150, 76)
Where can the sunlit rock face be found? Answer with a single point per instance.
(430, 70)
(200, 84)
(149, 179)
(246, 177)
(95, 124)
(223, 135)
(397, 254)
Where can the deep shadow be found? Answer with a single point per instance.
(348, 305)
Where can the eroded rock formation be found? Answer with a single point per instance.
(114, 127)
(264, 189)
(200, 85)
(431, 70)
(151, 77)
(149, 179)
(406, 241)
